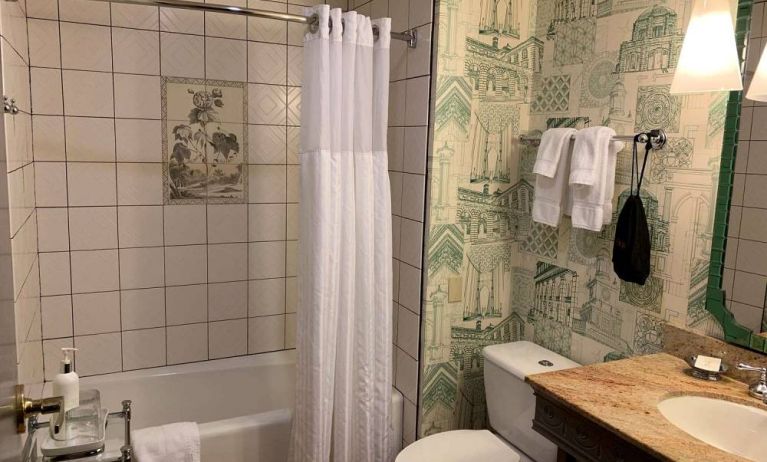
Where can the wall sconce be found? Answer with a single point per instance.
(709, 57)
(757, 90)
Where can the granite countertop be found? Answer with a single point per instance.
(622, 397)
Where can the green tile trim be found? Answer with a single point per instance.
(715, 296)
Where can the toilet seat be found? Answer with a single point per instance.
(459, 446)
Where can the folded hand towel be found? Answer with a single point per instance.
(592, 177)
(552, 166)
(176, 442)
(588, 151)
(554, 143)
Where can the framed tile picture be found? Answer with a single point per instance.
(205, 141)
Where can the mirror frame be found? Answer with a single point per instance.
(715, 295)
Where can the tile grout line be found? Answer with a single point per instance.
(66, 181)
(248, 294)
(117, 188)
(207, 224)
(285, 207)
(117, 193)
(163, 129)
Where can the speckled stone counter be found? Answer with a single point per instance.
(622, 397)
(683, 343)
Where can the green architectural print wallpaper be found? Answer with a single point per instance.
(506, 71)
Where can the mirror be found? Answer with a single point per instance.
(735, 295)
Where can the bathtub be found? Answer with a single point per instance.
(243, 405)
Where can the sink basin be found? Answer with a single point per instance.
(731, 427)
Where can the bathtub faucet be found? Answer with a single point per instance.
(26, 407)
(126, 450)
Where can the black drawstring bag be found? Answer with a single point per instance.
(631, 249)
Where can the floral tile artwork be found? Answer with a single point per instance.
(205, 141)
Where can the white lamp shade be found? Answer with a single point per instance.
(709, 57)
(757, 91)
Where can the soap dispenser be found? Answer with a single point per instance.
(67, 385)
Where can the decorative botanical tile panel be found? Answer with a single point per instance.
(205, 141)
(495, 276)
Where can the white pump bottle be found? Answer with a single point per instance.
(67, 383)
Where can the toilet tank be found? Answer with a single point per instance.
(510, 401)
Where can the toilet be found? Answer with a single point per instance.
(510, 407)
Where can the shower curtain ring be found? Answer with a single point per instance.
(314, 23)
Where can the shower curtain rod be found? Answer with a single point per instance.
(409, 36)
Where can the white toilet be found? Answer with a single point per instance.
(510, 406)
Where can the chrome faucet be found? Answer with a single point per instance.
(759, 388)
(26, 407)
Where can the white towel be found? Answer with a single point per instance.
(176, 442)
(589, 150)
(592, 177)
(552, 165)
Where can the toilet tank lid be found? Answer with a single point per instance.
(525, 358)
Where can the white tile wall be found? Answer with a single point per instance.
(86, 93)
(229, 338)
(136, 51)
(226, 25)
(96, 313)
(98, 354)
(21, 179)
(409, 95)
(48, 144)
(187, 343)
(228, 300)
(81, 145)
(133, 282)
(142, 308)
(57, 316)
(143, 348)
(85, 47)
(92, 227)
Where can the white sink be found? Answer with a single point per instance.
(731, 427)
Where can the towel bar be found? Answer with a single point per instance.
(657, 138)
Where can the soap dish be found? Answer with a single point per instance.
(704, 374)
(84, 443)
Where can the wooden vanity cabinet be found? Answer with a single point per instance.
(581, 439)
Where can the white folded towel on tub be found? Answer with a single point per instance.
(176, 442)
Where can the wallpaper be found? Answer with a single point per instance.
(506, 71)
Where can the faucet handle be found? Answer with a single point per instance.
(25, 407)
(758, 389)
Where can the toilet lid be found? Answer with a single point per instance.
(459, 446)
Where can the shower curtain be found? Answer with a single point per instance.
(344, 325)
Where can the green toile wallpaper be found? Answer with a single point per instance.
(513, 68)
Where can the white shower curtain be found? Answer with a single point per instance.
(344, 327)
